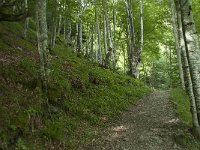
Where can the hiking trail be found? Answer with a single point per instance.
(149, 124)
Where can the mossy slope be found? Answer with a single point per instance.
(82, 96)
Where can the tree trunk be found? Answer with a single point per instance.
(79, 42)
(53, 33)
(139, 53)
(59, 24)
(105, 36)
(191, 48)
(114, 37)
(64, 30)
(26, 23)
(92, 44)
(128, 41)
(177, 41)
(99, 36)
(110, 44)
(42, 38)
(69, 32)
(76, 39)
(132, 53)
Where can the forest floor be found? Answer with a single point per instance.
(150, 124)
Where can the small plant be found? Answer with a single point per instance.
(54, 129)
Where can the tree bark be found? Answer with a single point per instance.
(110, 44)
(139, 53)
(92, 44)
(132, 53)
(105, 36)
(26, 23)
(177, 41)
(190, 49)
(99, 36)
(193, 49)
(114, 36)
(42, 38)
(53, 33)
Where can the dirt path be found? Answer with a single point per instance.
(150, 124)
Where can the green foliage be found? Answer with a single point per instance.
(54, 129)
(187, 141)
(13, 39)
(101, 76)
(25, 72)
(182, 106)
(21, 145)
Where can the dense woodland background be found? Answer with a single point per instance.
(69, 67)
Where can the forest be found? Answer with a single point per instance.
(99, 74)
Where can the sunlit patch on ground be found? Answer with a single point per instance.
(176, 120)
(118, 131)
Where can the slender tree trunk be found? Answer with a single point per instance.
(139, 53)
(64, 30)
(114, 37)
(79, 44)
(42, 41)
(170, 67)
(69, 32)
(87, 40)
(99, 36)
(132, 53)
(92, 44)
(96, 45)
(76, 39)
(177, 41)
(110, 44)
(128, 41)
(80, 36)
(26, 23)
(54, 35)
(59, 24)
(105, 36)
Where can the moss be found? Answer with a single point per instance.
(25, 72)
(54, 129)
(100, 76)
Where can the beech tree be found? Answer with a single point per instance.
(188, 42)
(109, 51)
(177, 29)
(192, 50)
(42, 39)
(131, 36)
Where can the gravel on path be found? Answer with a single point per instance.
(149, 124)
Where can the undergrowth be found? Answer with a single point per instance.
(182, 107)
(82, 97)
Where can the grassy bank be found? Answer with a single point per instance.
(83, 97)
(182, 107)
